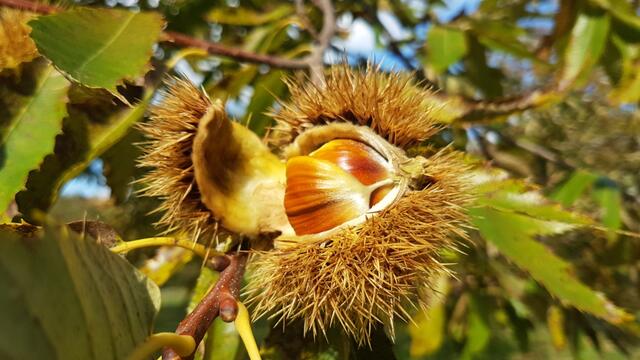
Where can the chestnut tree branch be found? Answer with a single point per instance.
(221, 301)
(183, 40)
(38, 8)
(464, 110)
(301, 12)
(231, 52)
(323, 40)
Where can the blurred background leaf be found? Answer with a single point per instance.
(103, 306)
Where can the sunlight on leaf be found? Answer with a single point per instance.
(446, 47)
(586, 44)
(609, 198)
(31, 133)
(101, 47)
(70, 298)
(428, 327)
(573, 188)
(84, 139)
(514, 234)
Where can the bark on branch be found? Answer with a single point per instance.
(219, 301)
(464, 110)
(183, 40)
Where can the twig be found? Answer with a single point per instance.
(219, 301)
(235, 53)
(465, 110)
(301, 12)
(30, 6)
(473, 111)
(183, 40)
(323, 40)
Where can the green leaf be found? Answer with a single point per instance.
(571, 190)
(446, 47)
(86, 136)
(242, 16)
(70, 298)
(222, 342)
(166, 262)
(120, 165)
(513, 235)
(627, 88)
(609, 197)
(586, 44)
(30, 134)
(621, 10)
(478, 330)
(427, 329)
(266, 89)
(510, 218)
(532, 204)
(504, 37)
(485, 78)
(98, 47)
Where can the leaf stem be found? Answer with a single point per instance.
(184, 53)
(183, 345)
(243, 326)
(198, 249)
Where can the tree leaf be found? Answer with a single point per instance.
(84, 139)
(266, 89)
(555, 323)
(427, 329)
(571, 190)
(165, 263)
(478, 329)
(513, 235)
(504, 37)
(242, 16)
(532, 204)
(30, 133)
(620, 9)
(120, 165)
(609, 197)
(482, 76)
(446, 47)
(98, 47)
(627, 88)
(586, 43)
(70, 298)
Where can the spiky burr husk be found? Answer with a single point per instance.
(171, 132)
(16, 47)
(359, 275)
(370, 274)
(390, 104)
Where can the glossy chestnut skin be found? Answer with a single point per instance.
(338, 182)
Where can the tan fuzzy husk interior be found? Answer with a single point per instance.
(239, 179)
(368, 275)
